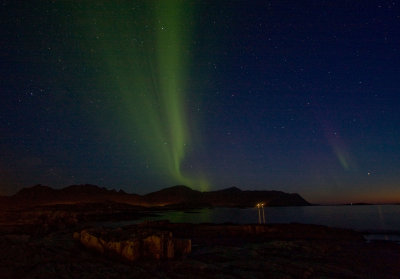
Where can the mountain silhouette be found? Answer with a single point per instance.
(176, 195)
(226, 197)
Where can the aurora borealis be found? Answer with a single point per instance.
(298, 96)
(145, 50)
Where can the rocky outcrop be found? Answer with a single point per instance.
(135, 243)
(315, 252)
(165, 240)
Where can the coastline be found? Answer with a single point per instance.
(41, 244)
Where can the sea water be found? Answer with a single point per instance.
(377, 221)
(360, 217)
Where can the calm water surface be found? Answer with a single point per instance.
(382, 219)
(360, 217)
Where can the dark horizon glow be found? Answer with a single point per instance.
(299, 96)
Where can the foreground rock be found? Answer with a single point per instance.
(135, 243)
(218, 251)
(154, 240)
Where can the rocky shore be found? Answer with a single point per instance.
(140, 242)
(166, 250)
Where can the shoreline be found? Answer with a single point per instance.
(218, 250)
(39, 242)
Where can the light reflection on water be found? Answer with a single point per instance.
(360, 217)
(382, 222)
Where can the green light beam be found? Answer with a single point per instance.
(144, 47)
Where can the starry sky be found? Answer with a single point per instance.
(297, 96)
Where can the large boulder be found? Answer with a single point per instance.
(135, 243)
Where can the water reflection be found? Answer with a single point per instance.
(361, 217)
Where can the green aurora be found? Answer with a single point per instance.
(145, 49)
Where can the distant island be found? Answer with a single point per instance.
(177, 196)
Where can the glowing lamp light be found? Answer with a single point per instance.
(260, 207)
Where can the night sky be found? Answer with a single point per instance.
(297, 96)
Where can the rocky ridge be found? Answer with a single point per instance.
(139, 242)
(177, 195)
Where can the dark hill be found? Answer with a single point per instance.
(173, 195)
(85, 189)
(226, 197)
(37, 192)
(237, 197)
(230, 190)
(40, 194)
(176, 195)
